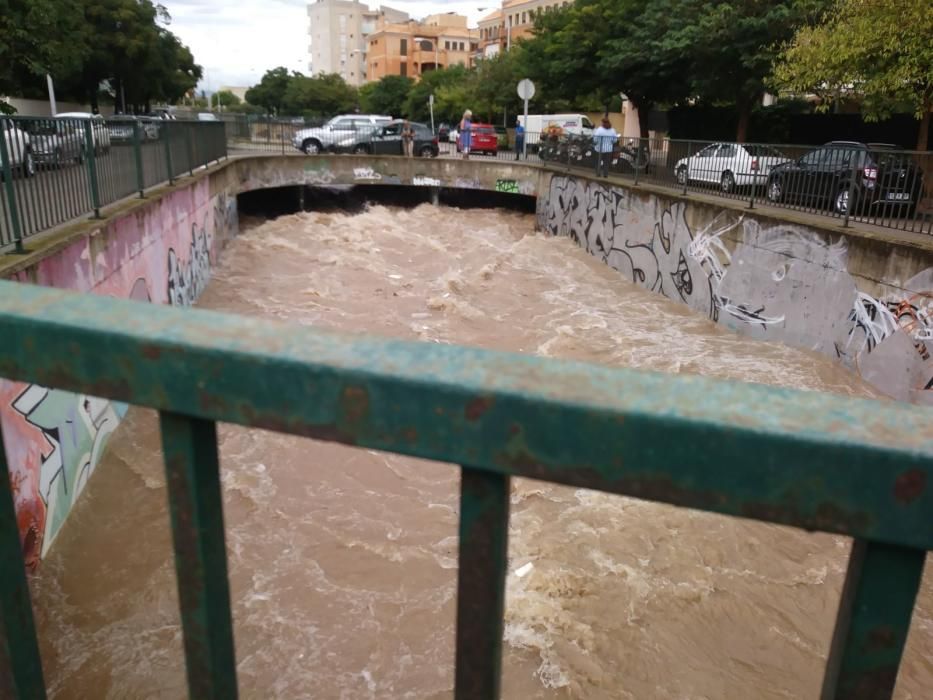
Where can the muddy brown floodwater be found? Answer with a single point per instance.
(343, 561)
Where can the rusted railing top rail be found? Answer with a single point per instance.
(816, 461)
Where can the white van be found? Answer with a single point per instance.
(578, 124)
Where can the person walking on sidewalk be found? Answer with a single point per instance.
(519, 138)
(604, 139)
(465, 137)
(408, 139)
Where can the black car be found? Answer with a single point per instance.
(873, 175)
(386, 140)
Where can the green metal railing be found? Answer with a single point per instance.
(57, 169)
(815, 461)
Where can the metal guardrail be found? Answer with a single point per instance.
(870, 183)
(55, 169)
(815, 461)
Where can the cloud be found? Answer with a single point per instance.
(237, 42)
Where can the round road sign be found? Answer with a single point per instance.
(526, 89)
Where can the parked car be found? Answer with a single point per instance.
(871, 174)
(338, 129)
(443, 131)
(121, 128)
(18, 148)
(207, 117)
(483, 139)
(99, 131)
(387, 140)
(56, 141)
(730, 165)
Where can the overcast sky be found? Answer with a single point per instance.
(236, 42)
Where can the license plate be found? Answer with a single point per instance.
(900, 196)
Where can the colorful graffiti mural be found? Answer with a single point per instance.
(54, 439)
(778, 282)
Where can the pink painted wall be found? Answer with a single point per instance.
(163, 253)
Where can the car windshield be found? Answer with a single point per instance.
(484, 130)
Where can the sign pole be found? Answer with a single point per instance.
(431, 107)
(526, 90)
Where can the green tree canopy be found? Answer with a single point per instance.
(663, 51)
(387, 95)
(225, 98)
(881, 50)
(270, 92)
(434, 82)
(322, 95)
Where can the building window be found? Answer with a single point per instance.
(403, 69)
(447, 45)
(510, 20)
(523, 18)
(461, 46)
(403, 50)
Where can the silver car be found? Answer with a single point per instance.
(318, 139)
(57, 141)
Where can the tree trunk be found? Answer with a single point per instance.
(745, 113)
(641, 106)
(924, 133)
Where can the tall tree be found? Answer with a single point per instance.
(387, 95)
(434, 82)
(323, 95)
(881, 50)
(270, 92)
(733, 46)
(39, 37)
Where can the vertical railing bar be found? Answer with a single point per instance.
(195, 501)
(877, 601)
(20, 663)
(9, 188)
(484, 534)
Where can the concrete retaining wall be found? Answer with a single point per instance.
(160, 250)
(865, 301)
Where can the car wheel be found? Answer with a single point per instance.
(842, 203)
(311, 147)
(681, 175)
(360, 149)
(775, 191)
(426, 152)
(727, 182)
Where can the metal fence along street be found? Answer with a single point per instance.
(56, 169)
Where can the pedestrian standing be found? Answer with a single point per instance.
(519, 138)
(408, 139)
(465, 136)
(604, 138)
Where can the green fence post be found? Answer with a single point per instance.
(190, 151)
(168, 152)
(10, 191)
(20, 665)
(138, 155)
(92, 166)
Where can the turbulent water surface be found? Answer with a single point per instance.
(343, 561)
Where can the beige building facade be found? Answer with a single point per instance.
(413, 48)
(512, 22)
(338, 31)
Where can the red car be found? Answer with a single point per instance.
(483, 139)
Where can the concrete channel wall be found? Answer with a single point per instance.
(159, 250)
(863, 298)
(865, 301)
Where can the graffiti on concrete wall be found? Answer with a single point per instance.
(54, 439)
(779, 282)
(188, 278)
(425, 181)
(508, 186)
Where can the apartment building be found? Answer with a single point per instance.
(512, 22)
(412, 48)
(338, 30)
